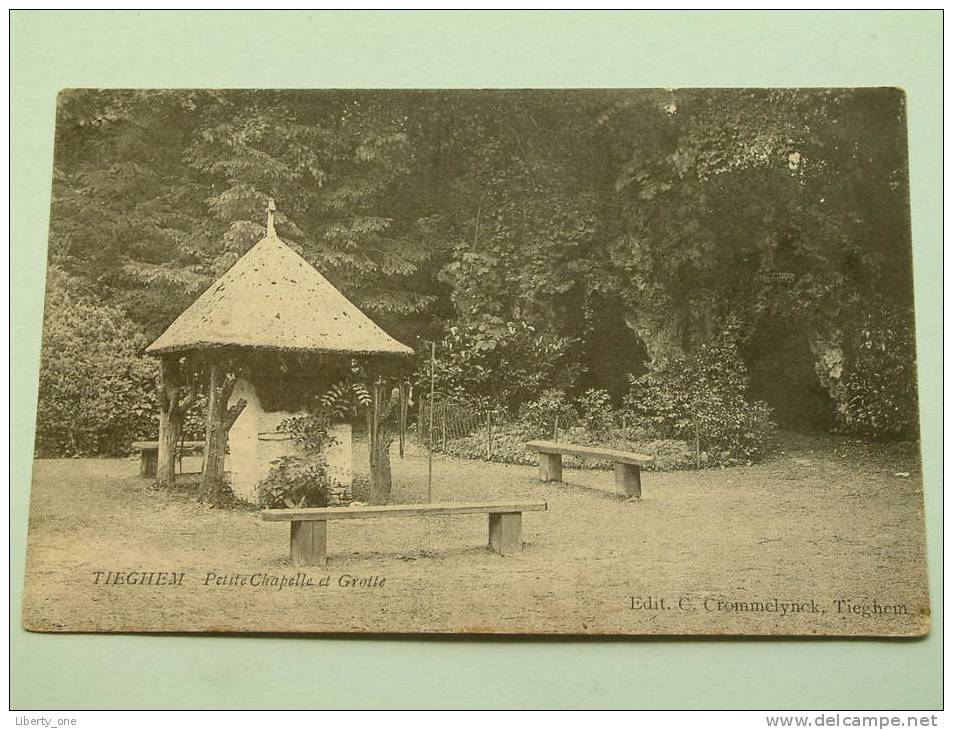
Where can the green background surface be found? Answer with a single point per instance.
(51, 50)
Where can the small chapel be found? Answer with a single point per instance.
(273, 332)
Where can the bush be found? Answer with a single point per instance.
(497, 361)
(879, 394)
(361, 489)
(704, 397)
(96, 390)
(300, 481)
(310, 431)
(295, 481)
(538, 419)
(670, 454)
(596, 413)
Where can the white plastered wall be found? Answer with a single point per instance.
(254, 442)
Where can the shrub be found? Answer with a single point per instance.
(295, 481)
(670, 454)
(509, 446)
(301, 481)
(96, 389)
(496, 360)
(596, 413)
(662, 400)
(311, 432)
(704, 397)
(361, 489)
(538, 419)
(879, 394)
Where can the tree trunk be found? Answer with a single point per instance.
(171, 417)
(170, 431)
(380, 474)
(216, 433)
(378, 446)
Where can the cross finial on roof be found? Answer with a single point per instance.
(270, 226)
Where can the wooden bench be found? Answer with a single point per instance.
(309, 525)
(149, 454)
(628, 480)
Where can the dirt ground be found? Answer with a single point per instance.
(825, 525)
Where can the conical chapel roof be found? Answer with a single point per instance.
(271, 298)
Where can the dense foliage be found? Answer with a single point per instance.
(879, 393)
(539, 419)
(703, 398)
(544, 240)
(300, 481)
(295, 481)
(690, 412)
(498, 363)
(96, 391)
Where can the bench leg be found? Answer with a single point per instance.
(309, 542)
(550, 467)
(628, 480)
(506, 532)
(148, 462)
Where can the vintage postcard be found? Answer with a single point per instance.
(609, 362)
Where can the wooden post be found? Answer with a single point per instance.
(180, 452)
(489, 437)
(404, 390)
(214, 467)
(174, 402)
(379, 446)
(506, 532)
(148, 461)
(550, 467)
(628, 481)
(309, 542)
(216, 432)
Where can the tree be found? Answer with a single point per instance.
(177, 390)
(379, 439)
(95, 390)
(629, 224)
(223, 372)
(337, 169)
(158, 192)
(127, 214)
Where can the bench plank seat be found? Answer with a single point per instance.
(309, 525)
(149, 454)
(619, 457)
(399, 510)
(188, 445)
(628, 479)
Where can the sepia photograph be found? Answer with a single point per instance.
(500, 361)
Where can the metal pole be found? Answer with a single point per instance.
(433, 358)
